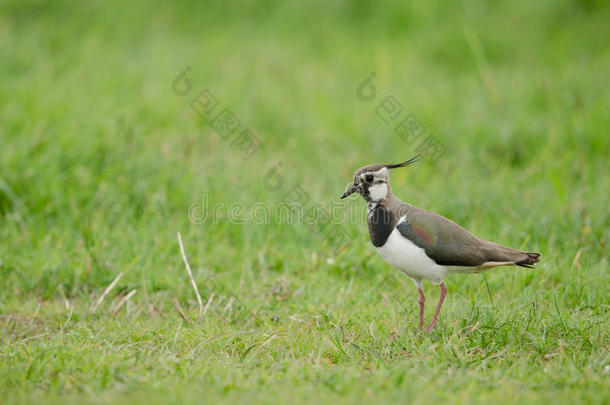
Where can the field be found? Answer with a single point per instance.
(109, 146)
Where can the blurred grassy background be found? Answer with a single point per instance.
(100, 161)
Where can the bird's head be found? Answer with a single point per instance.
(373, 182)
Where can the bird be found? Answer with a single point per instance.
(423, 244)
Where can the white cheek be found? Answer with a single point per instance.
(383, 172)
(378, 191)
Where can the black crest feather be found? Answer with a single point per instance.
(403, 164)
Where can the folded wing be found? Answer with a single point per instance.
(449, 244)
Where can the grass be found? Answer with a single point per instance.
(100, 161)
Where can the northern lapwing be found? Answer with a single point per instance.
(423, 244)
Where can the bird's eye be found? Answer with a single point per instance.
(369, 178)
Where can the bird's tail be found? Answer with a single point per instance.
(530, 259)
(505, 255)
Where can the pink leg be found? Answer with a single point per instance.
(438, 307)
(421, 301)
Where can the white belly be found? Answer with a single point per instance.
(409, 258)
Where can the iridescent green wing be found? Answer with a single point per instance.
(444, 241)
